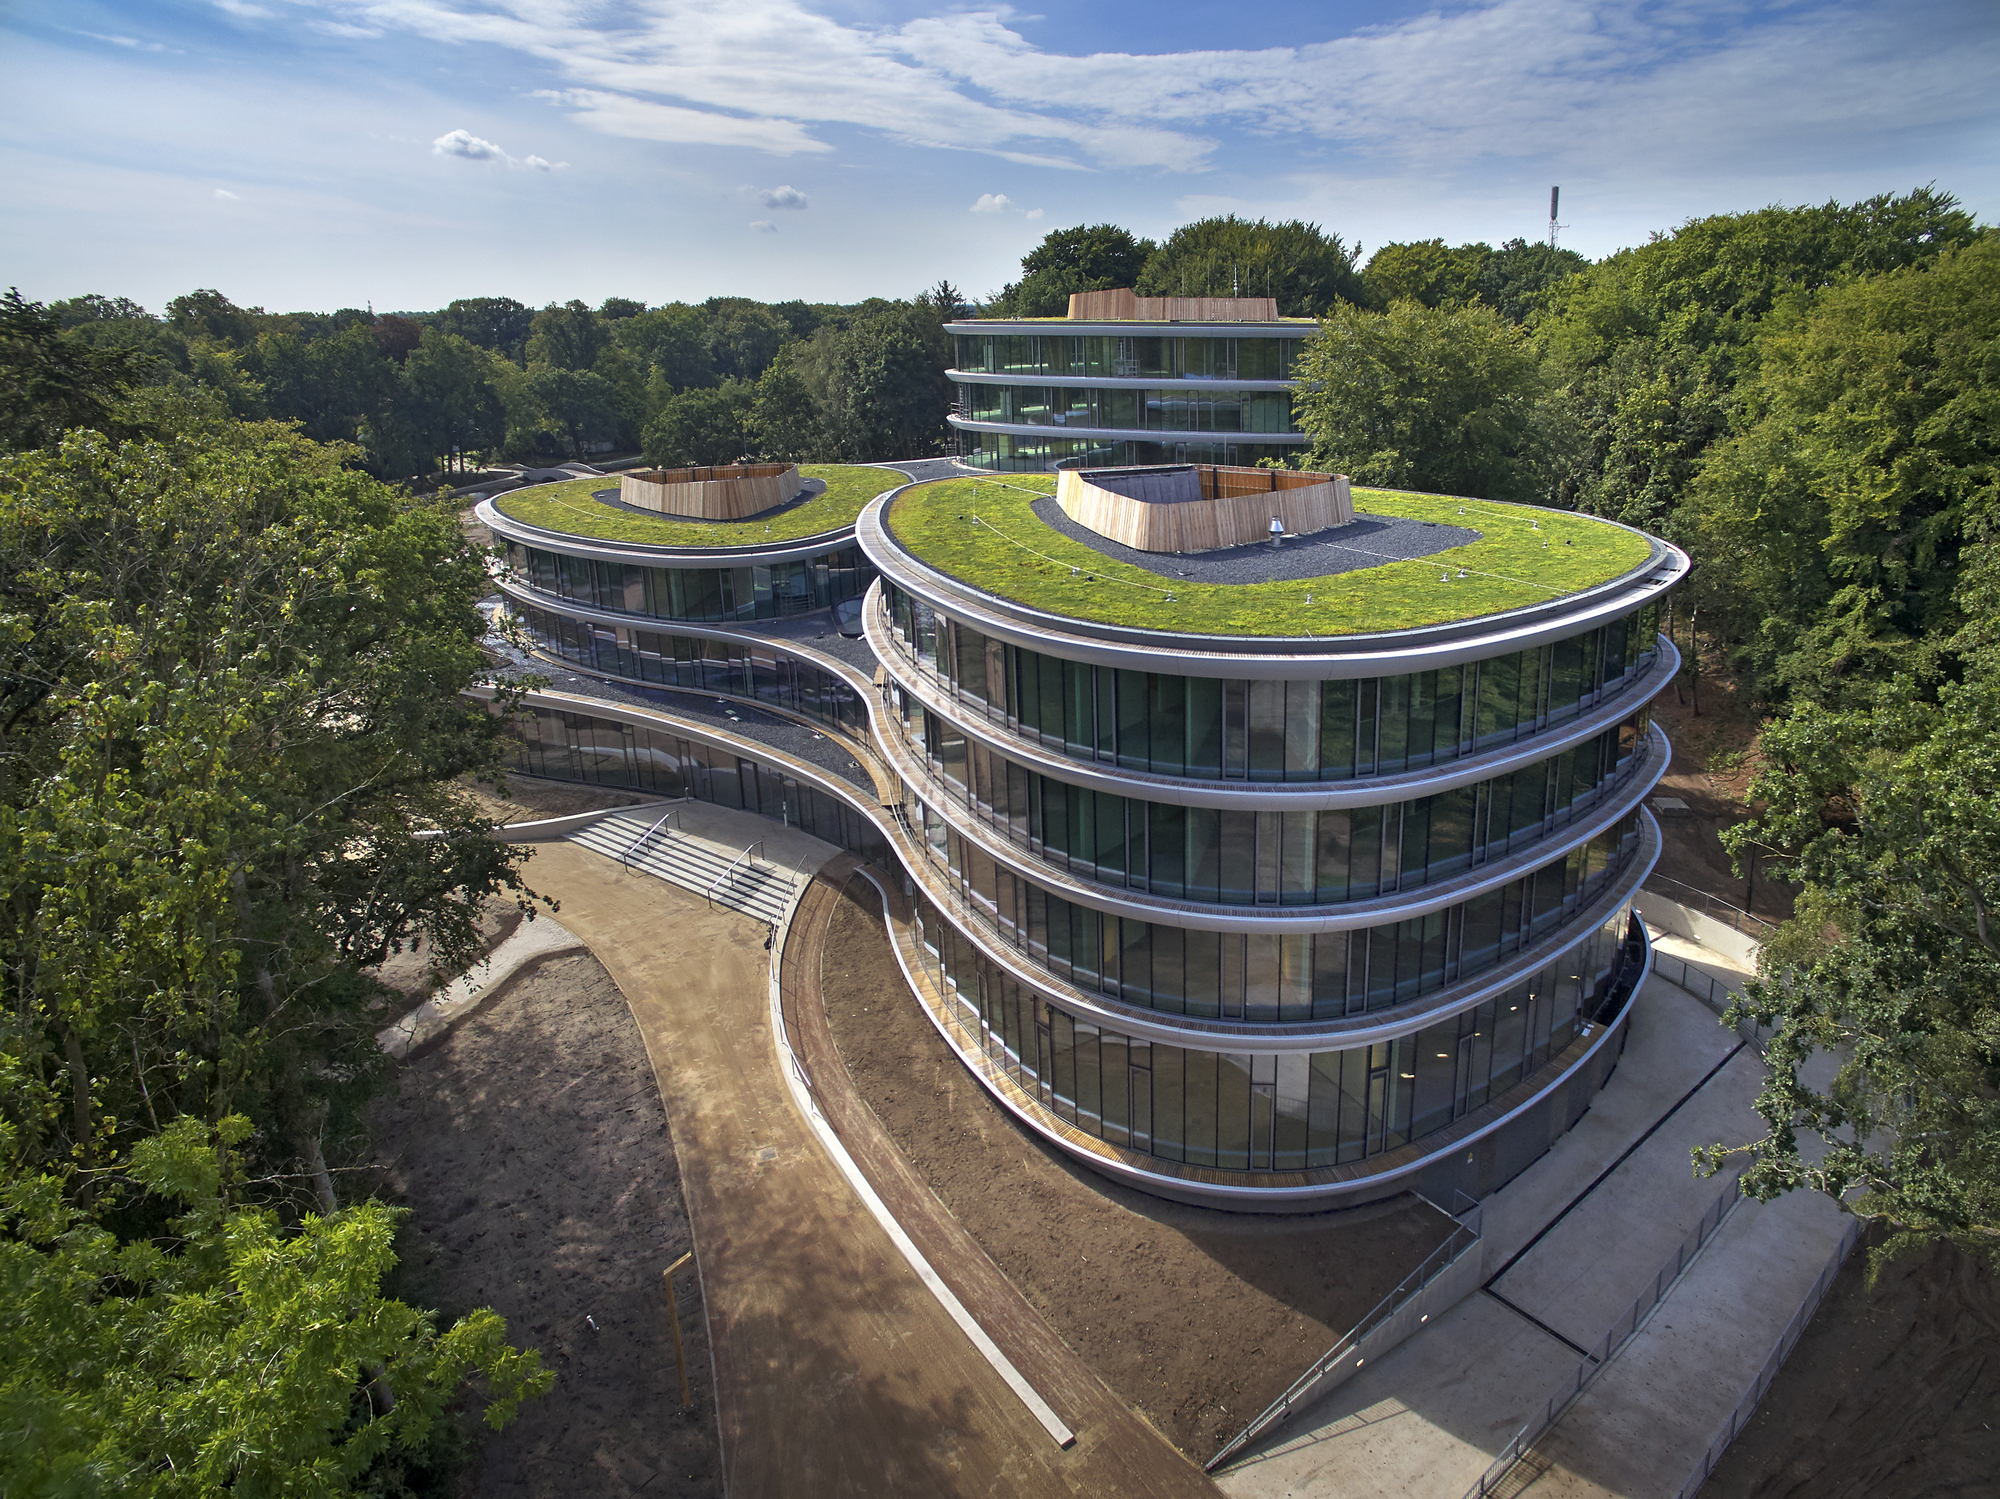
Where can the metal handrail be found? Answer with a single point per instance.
(1440, 1259)
(1711, 905)
(638, 843)
(748, 853)
(1619, 1334)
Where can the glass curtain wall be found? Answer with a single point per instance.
(756, 590)
(1148, 356)
(1129, 410)
(1214, 729)
(737, 668)
(1251, 1111)
(1003, 452)
(582, 747)
(1271, 858)
(1263, 976)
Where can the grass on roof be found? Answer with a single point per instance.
(982, 533)
(568, 507)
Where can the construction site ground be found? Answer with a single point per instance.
(533, 1150)
(1198, 1318)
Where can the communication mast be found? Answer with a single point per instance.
(1555, 197)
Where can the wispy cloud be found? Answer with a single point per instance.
(1445, 89)
(764, 226)
(223, 192)
(131, 43)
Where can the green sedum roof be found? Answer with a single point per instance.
(568, 507)
(982, 533)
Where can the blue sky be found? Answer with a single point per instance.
(323, 153)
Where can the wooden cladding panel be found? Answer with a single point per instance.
(735, 492)
(1234, 506)
(1125, 305)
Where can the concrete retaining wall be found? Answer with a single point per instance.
(1684, 921)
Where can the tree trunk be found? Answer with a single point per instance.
(79, 1083)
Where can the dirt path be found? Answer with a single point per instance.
(533, 1148)
(1893, 1391)
(1197, 1318)
(838, 1372)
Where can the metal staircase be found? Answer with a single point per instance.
(740, 879)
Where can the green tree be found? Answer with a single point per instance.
(1516, 279)
(569, 337)
(1646, 348)
(705, 426)
(1306, 269)
(229, 700)
(1866, 454)
(450, 394)
(785, 419)
(1437, 399)
(209, 314)
(497, 323)
(743, 336)
(674, 340)
(1889, 817)
(50, 383)
(226, 1355)
(1426, 271)
(577, 407)
(1093, 257)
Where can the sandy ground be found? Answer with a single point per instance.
(1198, 1319)
(533, 1147)
(1893, 1392)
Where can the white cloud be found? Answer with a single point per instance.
(1034, 215)
(223, 192)
(993, 203)
(781, 197)
(764, 226)
(471, 147)
(464, 143)
(245, 9)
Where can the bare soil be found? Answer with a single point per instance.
(533, 1148)
(1893, 1392)
(1197, 1319)
(1715, 734)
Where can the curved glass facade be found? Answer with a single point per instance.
(1146, 410)
(1016, 453)
(1300, 730)
(741, 668)
(1270, 858)
(1277, 976)
(756, 590)
(1151, 355)
(1261, 1111)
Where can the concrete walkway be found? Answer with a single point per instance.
(1570, 1243)
(1639, 1429)
(837, 1372)
(521, 951)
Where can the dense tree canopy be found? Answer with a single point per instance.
(1305, 268)
(1892, 965)
(229, 703)
(1440, 399)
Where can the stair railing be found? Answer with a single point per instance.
(632, 849)
(749, 854)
